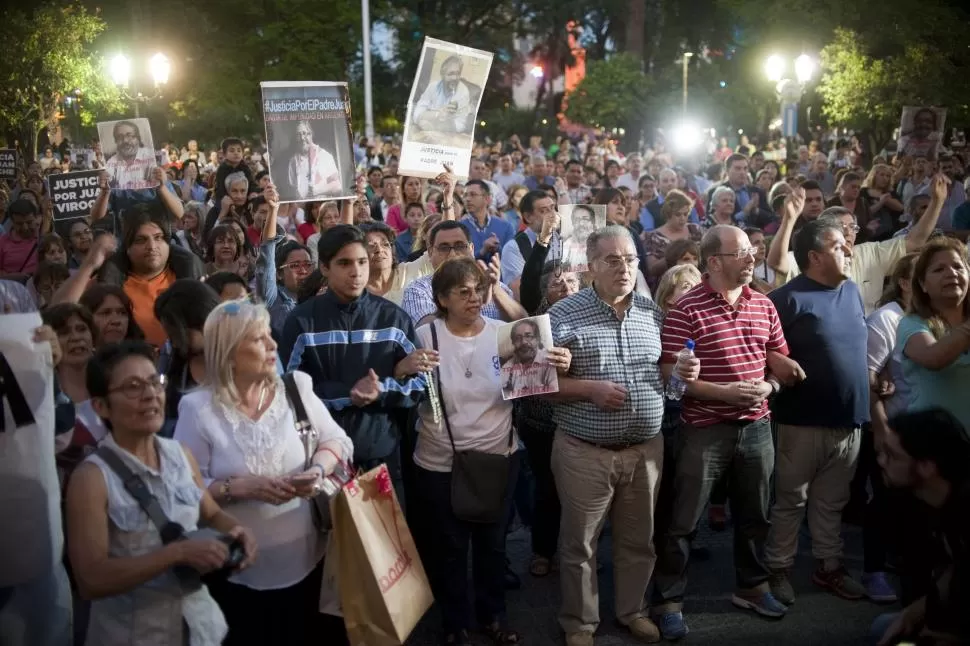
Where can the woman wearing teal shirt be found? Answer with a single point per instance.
(935, 335)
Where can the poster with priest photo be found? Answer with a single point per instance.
(921, 132)
(127, 146)
(443, 109)
(577, 221)
(523, 349)
(309, 139)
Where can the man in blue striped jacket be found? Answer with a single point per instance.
(360, 350)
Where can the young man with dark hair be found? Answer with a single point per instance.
(535, 207)
(489, 233)
(360, 350)
(927, 453)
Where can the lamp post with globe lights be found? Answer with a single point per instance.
(790, 90)
(159, 67)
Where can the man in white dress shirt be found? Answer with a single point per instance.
(312, 171)
(130, 167)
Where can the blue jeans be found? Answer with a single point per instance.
(37, 613)
(880, 625)
(448, 554)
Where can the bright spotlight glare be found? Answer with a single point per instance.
(804, 68)
(774, 67)
(686, 137)
(120, 69)
(160, 68)
(536, 71)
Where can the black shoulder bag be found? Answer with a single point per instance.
(479, 480)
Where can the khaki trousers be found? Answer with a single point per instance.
(593, 484)
(814, 469)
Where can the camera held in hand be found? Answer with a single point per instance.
(192, 579)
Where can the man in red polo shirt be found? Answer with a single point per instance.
(738, 339)
(18, 248)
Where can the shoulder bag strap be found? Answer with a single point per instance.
(441, 393)
(525, 245)
(139, 491)
(300, 416)
(27, 259)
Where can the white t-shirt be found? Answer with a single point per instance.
(881, 348)
(226, 443)
(480, 419)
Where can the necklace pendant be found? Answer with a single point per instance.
(468, 374)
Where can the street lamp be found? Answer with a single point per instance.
(790, 91)
(159, 67)
(686, 61)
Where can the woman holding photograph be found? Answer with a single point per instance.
(472, 417)
(241, 430)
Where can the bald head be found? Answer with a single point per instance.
(666, 180)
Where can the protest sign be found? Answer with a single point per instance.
(577, 222)
(32, 539)
(8, 164)
(309, 139)
(443, 109)
(130, 154)
(73, 194)
(921, 132)
(523, 348)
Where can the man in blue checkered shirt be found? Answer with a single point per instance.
(608, 451)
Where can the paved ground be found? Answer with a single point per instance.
(816, 619)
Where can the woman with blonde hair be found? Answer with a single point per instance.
(935, 334)
(675, 282)
(240, 427)
(885, 207)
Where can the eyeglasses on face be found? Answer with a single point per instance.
(616, 262)
(466, 293)
(375, 247)
(740, 254)
(135, 388)
(304, 265)
(850, 228)
(458, 247)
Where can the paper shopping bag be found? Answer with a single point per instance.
(383, 588)
(330, 590)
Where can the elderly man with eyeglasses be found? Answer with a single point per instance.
(608, 451)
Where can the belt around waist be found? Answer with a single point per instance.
(620, 446)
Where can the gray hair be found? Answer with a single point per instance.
(667, 171)
(835, 212)
(235, 178)
(534, 158)
(606, 233)
(719, 191)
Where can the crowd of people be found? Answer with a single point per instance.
(824, 294)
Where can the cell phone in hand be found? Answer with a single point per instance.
(303, 478)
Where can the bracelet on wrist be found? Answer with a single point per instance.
(224, 490)
(318, 466)
(447, 207)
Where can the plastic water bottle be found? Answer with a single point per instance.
(676, 387)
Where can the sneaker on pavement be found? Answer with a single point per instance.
(644, 630)
(763, 603)
(878, 588)
(839, 583)
(672, 626)
(780, 586)
(717, 517)
(582, 638)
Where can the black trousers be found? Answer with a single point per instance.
(546, 511)
(283, 617)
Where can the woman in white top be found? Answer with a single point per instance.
(119, 558)
(240, 428)
(471, 398)
(889, 397)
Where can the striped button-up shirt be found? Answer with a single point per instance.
(731, 342)
(625, 352)
(418, 300)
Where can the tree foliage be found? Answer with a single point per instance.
(612, 93)
(47, 56)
